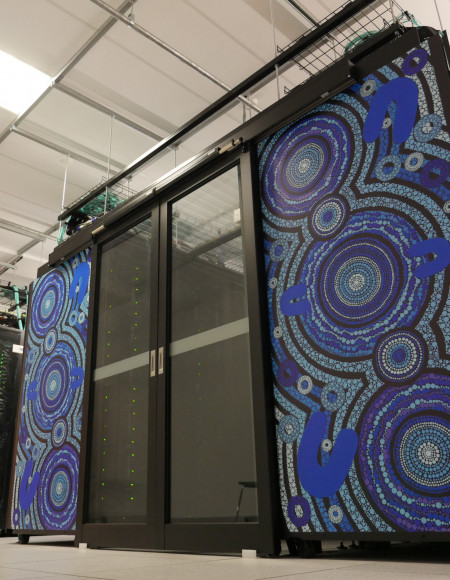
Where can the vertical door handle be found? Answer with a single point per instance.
(161, 360)
(153, 363)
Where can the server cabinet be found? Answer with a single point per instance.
(356, 204)
(11, 341)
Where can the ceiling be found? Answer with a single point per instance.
(115, 93)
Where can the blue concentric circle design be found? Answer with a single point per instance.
(305, 162)
(332, 397)
(299, 511)
(48, 302)
(415, 61)
(50, 341)
(388, 167)
(435, 173)
(428, 128)
(289, 429)
(335, 514)
(58, 488)
(328, 217)
(59, 432)
(361, 285)
(404, 454)
(414, 161)
(400, 356)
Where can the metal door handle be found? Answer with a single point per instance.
(161, 360)
(153, 363)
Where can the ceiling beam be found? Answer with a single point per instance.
(21, 251)
(98, 34)
(149, 36)
(104, 109)
(64, 151)
(24, 231)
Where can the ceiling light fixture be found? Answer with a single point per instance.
(21, 84)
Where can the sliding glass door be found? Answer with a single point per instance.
(212, 445)
(123, 433)
(178, 430)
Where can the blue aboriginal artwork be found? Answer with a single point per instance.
(356, 214)
(45, 487)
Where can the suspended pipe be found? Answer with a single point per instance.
(132, 24)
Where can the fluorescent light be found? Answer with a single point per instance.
(20, 84)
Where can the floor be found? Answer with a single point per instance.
(55, 558)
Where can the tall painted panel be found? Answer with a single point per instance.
(45, 487)
(356, 210)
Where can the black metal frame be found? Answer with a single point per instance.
(230, 537)
(117, 535)
(227, 537)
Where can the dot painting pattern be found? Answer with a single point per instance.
(355, 202)
(45, 487)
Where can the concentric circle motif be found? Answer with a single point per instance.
(289, 429)
(447, 206)
(332, 397)
(328, 217)
(414, 161)
(81, 317)
(50, 341)
(57, 491)
(305, 385)
(335, 514)
(435, 173)
(59, 432)
(54, 383)
(73, 318)
(424, 452)
(287, 374)
(60, 486)
(299, 511)
(273, 282)
(404, 455)
(358, 281)
(387, 123)
(326, 445)
(427, 128)
(360, 285)
(279, 250)
(48, 302)
(368, 88)
(400, 356)
(16, 518)
(305, 162)
(388, 167)
(415, 61)
(277, 332)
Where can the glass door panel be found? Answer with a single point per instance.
(120, 421)
(212, 452)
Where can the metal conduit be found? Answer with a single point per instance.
(171, 50)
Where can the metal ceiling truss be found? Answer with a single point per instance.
(284, 59)
(14, 126)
